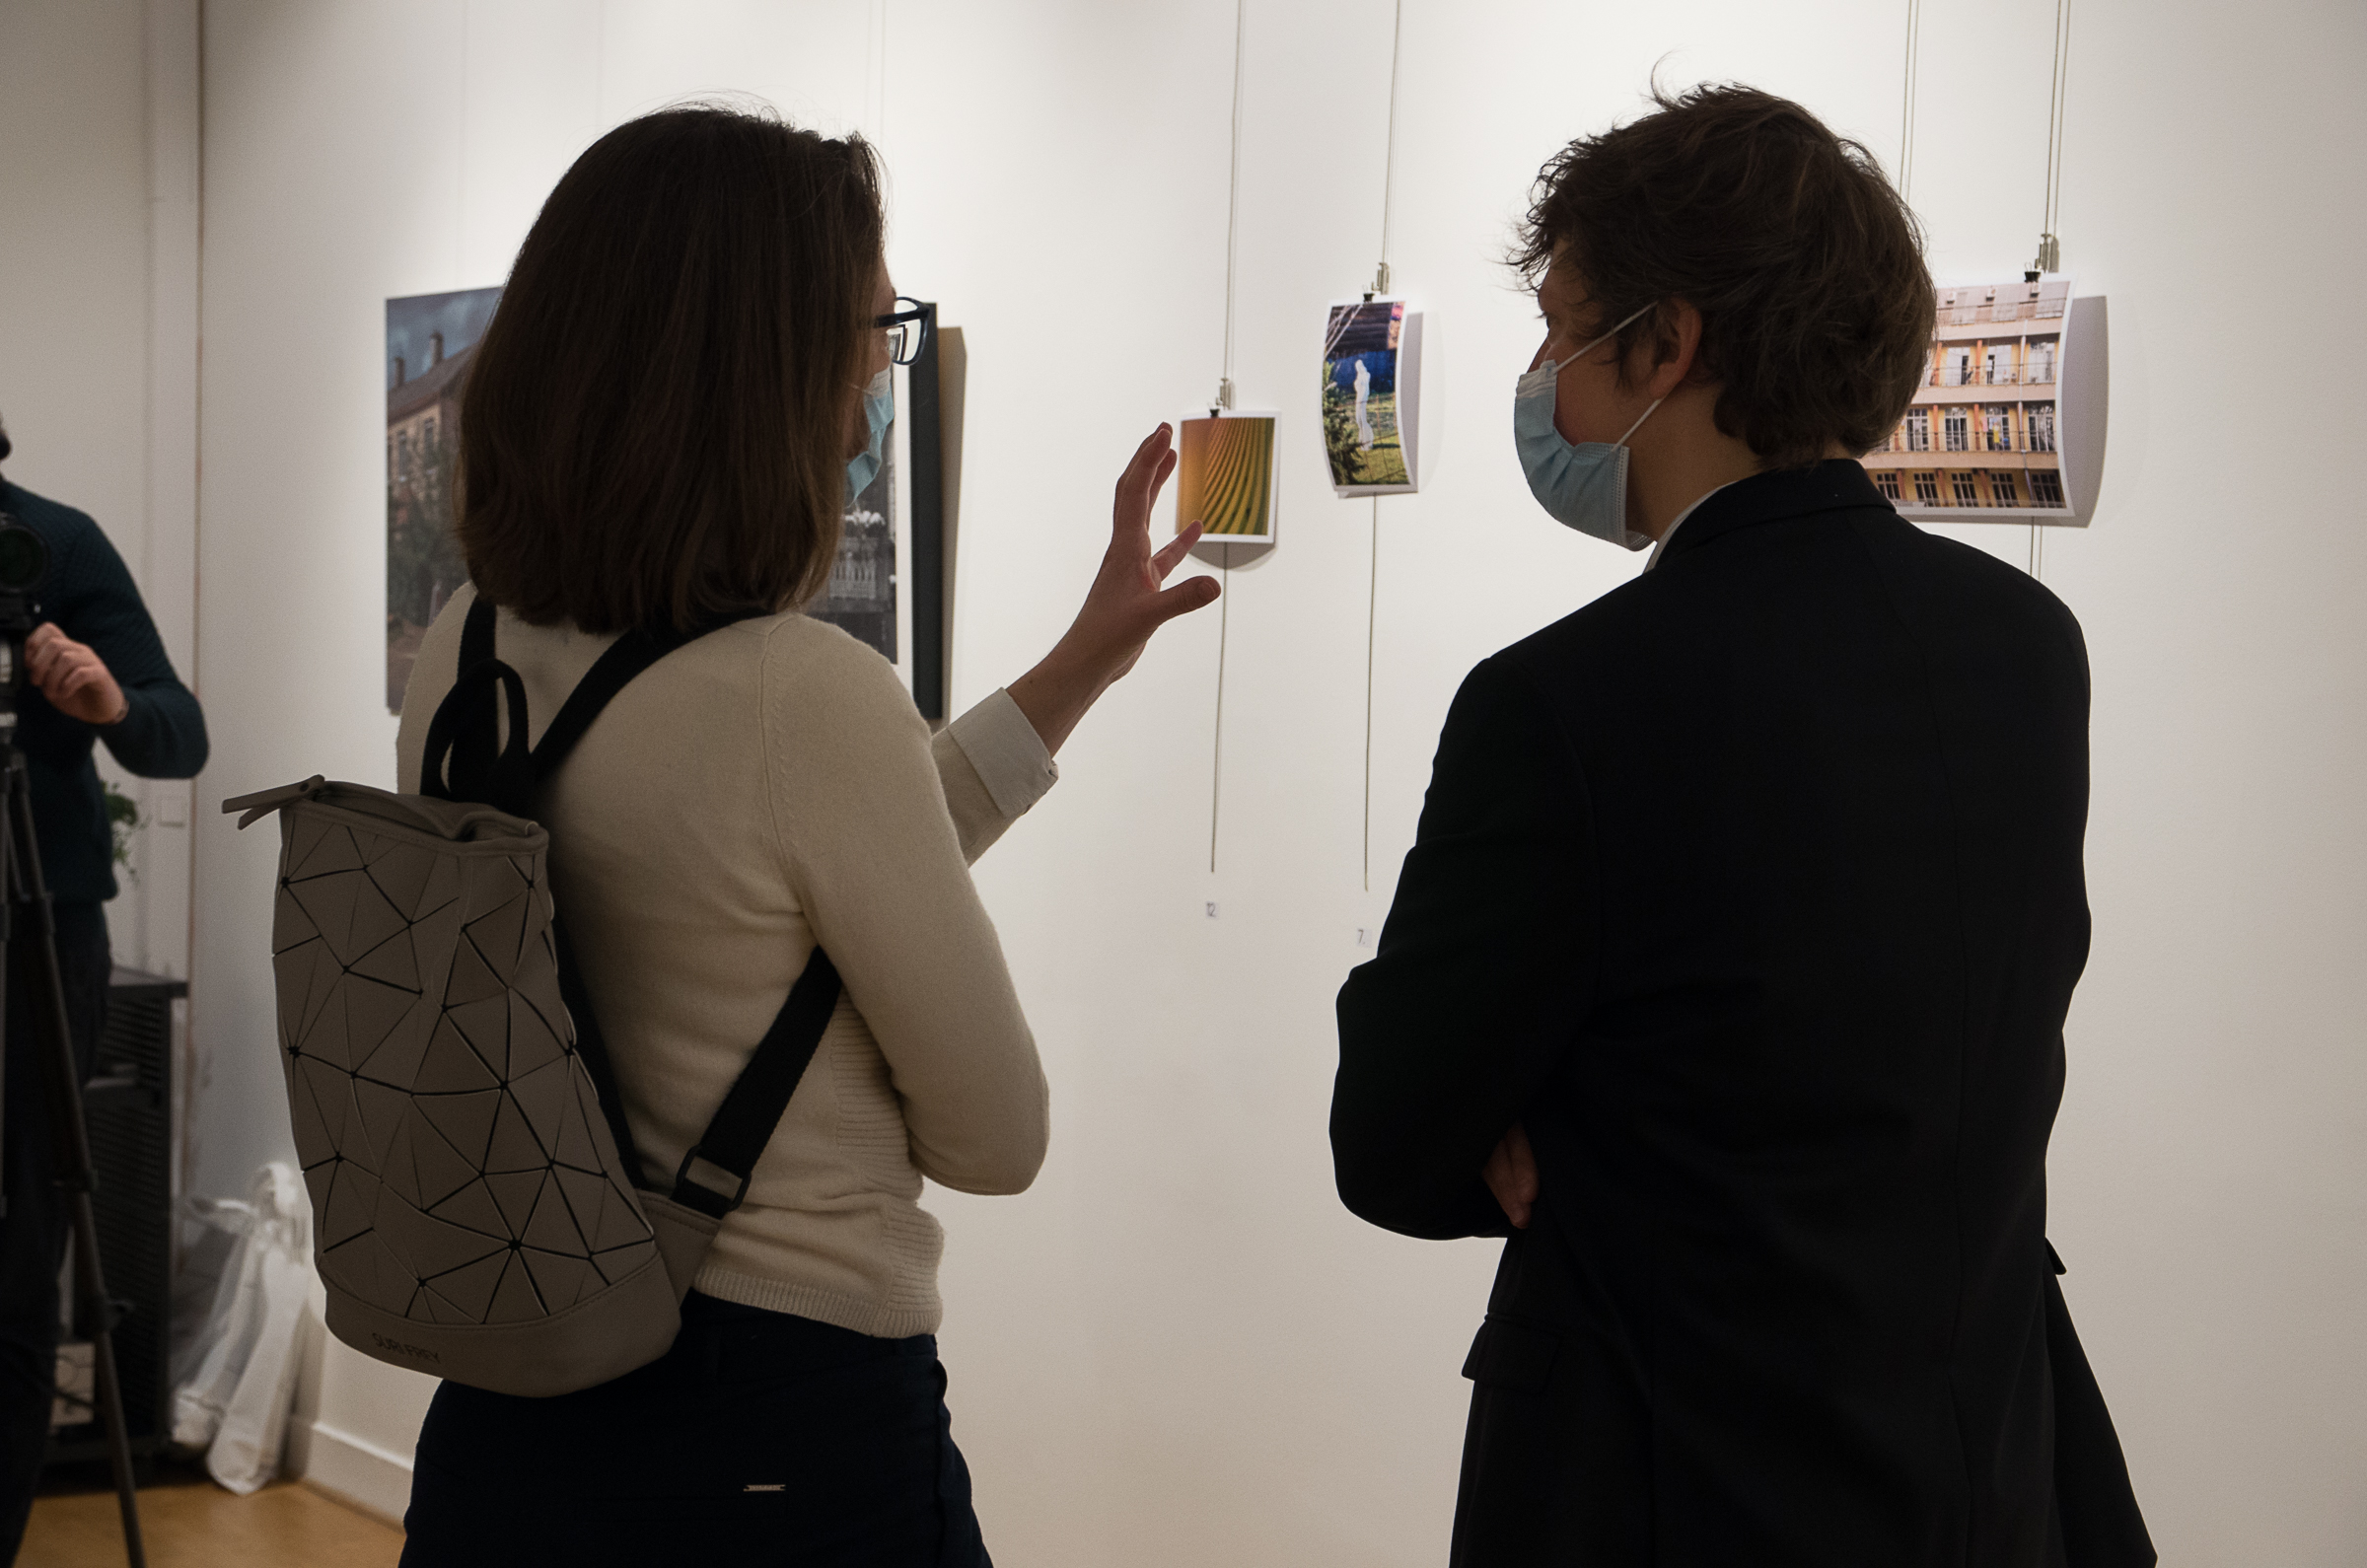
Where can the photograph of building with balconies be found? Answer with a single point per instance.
(860, 596)
(1980, 435)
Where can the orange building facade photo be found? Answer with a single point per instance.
(1982, 434)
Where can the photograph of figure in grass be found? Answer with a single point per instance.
(431, 340)
(1372, 371)
(1225, 475)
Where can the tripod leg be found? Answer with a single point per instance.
(88, 1278)
(8, 929)
(31, 893)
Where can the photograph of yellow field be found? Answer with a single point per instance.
(1225, 475)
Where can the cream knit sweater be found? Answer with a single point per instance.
(765, 787)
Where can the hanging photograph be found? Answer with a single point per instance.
(1372, 395)
(1989, 435)
(431, 338)
(891, 584)
(860, 596)
(1225, 475)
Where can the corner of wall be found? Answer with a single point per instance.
(351, 1432)
(356, 1472)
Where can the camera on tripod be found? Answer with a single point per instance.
(23, 568)
(28, 956)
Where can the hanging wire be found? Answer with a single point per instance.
(1216, 764)
(2050, 246)
(1372, 604)
(1388, 159)
(1224, 385)
(1224, 400)
(1907, 108)
(2049, 258)
(1371, 601)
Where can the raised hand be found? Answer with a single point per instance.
(1124, 606)
(73, 677)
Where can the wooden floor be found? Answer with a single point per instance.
(188, 1522)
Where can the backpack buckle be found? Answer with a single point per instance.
(707, 1199)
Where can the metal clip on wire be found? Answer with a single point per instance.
(2049, 258)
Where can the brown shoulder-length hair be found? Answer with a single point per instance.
(1806, 265)
(654, 432)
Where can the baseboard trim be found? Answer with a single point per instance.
(358, 1474)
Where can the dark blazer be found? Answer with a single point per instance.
(1754, 891)
(91, 597)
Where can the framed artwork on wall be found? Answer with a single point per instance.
(897, 532)
(892, 585)
(431, 338)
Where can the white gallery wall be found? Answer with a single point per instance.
(1178, 1348)
(98, 343)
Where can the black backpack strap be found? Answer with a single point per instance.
(463, 732)
(614, 670)
(474, 740)
(463, 727)
(476, 632)
(624, 658)
(744, 1126)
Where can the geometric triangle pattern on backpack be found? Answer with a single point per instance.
(473, 1214)
(460, 1166)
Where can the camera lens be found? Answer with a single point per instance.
(23, 559)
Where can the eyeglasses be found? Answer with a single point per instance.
(907, 328)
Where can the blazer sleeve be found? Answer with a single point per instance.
(1485, 967)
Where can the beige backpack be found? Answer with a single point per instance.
(479, 1212)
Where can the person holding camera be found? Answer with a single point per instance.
(95, 670)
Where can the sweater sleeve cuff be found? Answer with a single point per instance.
(1008, 754)
(133, 738)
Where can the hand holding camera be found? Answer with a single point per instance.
(73, 677)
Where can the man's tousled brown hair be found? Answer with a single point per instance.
(655, 430)
(1804, 262)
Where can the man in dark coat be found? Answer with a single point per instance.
(1728, 973)
(94, 670)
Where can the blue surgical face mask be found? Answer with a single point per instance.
(879, 410)
(1583, 485)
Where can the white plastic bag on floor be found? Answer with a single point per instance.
(236, 1401)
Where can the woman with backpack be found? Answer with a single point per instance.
(685, 380)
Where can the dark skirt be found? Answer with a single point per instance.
(758, 1438)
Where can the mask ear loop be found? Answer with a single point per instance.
(1560, 365)
(1639, 421)
(1655, 403)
